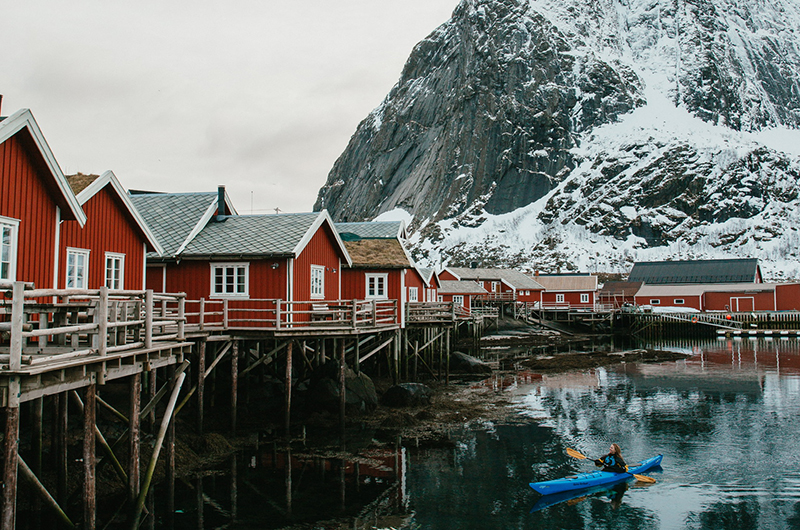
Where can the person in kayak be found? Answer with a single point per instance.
(613, 461)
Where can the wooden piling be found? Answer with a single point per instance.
(89, 478)
(134, 437)
(342, 389)
(234, 384)
(288, 381)
(201, 383)
(11, 453)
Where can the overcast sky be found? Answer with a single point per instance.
(261, 96)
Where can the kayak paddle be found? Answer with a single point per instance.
(642, 478)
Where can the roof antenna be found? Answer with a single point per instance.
(277, 211)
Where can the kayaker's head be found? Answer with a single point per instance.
(615, 450)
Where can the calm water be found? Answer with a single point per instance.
(726, 421)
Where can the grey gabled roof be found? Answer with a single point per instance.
(460, 287)
(696, 271)
(174, 216)
(371, 229)
(512, 278)
(252, 235)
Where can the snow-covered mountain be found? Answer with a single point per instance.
(584, 135)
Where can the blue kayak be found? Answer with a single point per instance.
(597, 478)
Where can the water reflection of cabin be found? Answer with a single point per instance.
(503, 285)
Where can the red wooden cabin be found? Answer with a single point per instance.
(110, 248)
(461, 292)
(263, 265)
(573, 291)
(34, 200)
(380, 263)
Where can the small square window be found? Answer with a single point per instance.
(230, 280)
(655, 301)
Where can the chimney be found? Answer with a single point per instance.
(222, 208)
(1, 104)
(536, 274)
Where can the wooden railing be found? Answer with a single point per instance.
(43, 325)
(428, 312)
(277, 314)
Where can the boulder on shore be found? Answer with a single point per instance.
(407, 395)
(461, 362)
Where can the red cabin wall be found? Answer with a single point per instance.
(109, 228)
(573, 298)
(533, 296)
(413, 279)
(447, 275)
(467, 305)
(155, 278)
(691, 302)
(26, 194)
(787, 297)
(354, 283)
(722, 301)
(193, 277)
(321, 250)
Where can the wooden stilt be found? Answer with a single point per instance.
(36, 446)
(43, 493)
(11, 453)
(288, 380)
(201, 384)
(342, 389)
(62, 418)
(134, 438)
(170, 459)
(234, 384)
(89, 484)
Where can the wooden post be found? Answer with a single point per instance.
(11, 454)
(447, 352)
(225, 314)
(181, 316)
(357, 360)
(342, 389)
(89, 485)
(234, 384)
(201, 383)
(17, 318)
(288, 380)
(148, 319)
(170, 458)
(101, 317)
(62, 418)
(134, 437)
(202, 316)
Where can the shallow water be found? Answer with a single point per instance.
(726, 421)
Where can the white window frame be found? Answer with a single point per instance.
(377, 294)
(114, 256)
(244, 293)
(655, 301)
(560, 298)
(317, 282)
(458, 299)
(12, 227)
(584, 298)
(413, 294)
(680, 301)
(71, 280)
(495, 287)
(440, 298)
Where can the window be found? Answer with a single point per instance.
(376, 285)
(560, 298)
(495, 285)
(317, 282)
(655, 301)
(413, 296)
(679, 301)
(8, 248)
(77, 268)
(440, 298)
(584, 298)
(230, 279)
(458, 299)
(115, 270)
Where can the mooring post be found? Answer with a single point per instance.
(10, 452)
(89, 485)
(62, 419)
(170, 457)
(134, 437)
(234, 384)
(288, 381)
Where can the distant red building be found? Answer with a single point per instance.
(500, 284)
(573, 291)
(35, 199)
(463, 293)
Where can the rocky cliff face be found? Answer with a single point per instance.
(575, 134)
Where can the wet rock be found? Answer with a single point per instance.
(463, 363)
(323, 391)
(407, 395)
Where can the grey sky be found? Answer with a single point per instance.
(261, 96)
